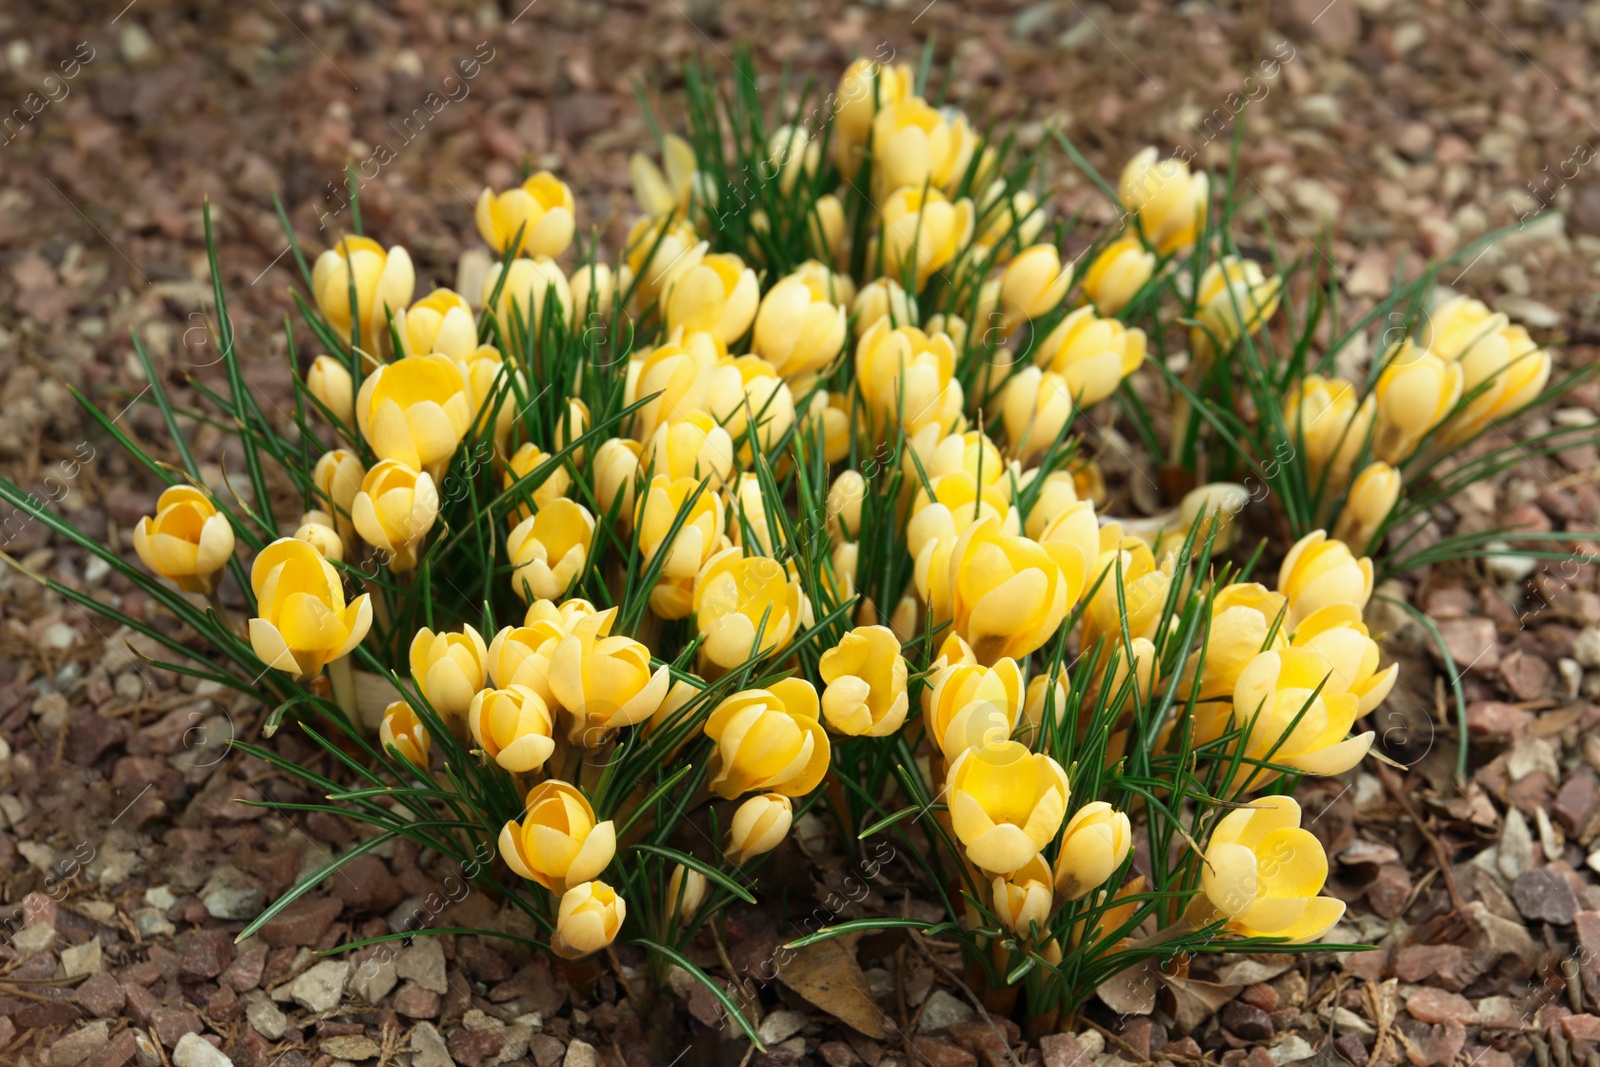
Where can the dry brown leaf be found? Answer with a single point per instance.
(1132, 991)
(1196, 1001)
(828, 976)
(1248, 970)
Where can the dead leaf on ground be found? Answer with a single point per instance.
(1195, 1001)
(1132, 991)
(1247, 970)
(828, 976)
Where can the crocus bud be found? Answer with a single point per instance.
(1023, 900)
(1415, 392)
(1131, 594)
(317, 530)
(824, 282)
(790, 153)
(302, 622)
(449, 668)
(654, 247)
(188, 541)
(797, 329)
(616, 470)
(697, 537)
(1133, 664)
(528, 458)
(394, 512)
(530, 287)
(931, 576)
(329, 381)
(716, 295)
(1117, 274)
(1329, 427)
(541, 208)
(660, 193)
(571, 424)
(1516, 383)
(686, 891)
(926, 225)
(866, 87)
(558, 843)
(588, 920)
(768, 739)
(337, 478)
(884, 298)
(575, 615)
(1242, 616)
(1503, 370)
(1034, 283)
(903, 621)
(1169, 202)
(907, 377)
(1263, 873)
(604, 682)
(1058, 493)
(1350, 655)
(829, 420)
(1373, 496)
(916, 145)
(1458, 325)
(550, 550)
(825, 233)
(844, 561)
(1006, 804)
(1035, 406)
(957, 502)
(513, 726)
(1042, 690)
(693, 446)
(595, 287)
(520, 655)
(865, 677)
(383, 282)
(1007, 222)
(439, 322)
(495, 390)
(758, 826)
(753, 397)
(1318, 572)
(734, 596)
(1096, 841)
(672, 713)
(1008, 594)
(748, 524)
(972, 706)
(1092, 354)
(1235, 298)
(415, 411)
(844, 502)
(673, 381)
(971, 452)
(401, 730)
(1213, 506)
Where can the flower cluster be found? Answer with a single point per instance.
(1467, 369)
(790, 501)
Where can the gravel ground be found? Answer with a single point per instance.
(1399, 129)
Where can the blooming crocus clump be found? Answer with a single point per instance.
(809, 509)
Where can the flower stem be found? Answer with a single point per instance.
(227, 617)
(343, 678)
